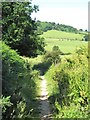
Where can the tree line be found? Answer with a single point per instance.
(45, 26)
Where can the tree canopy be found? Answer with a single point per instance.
(45, 26)
(19, 31)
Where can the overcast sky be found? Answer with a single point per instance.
(69, 12)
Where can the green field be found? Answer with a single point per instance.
(65, 46)
(62, 35)
(70, 41)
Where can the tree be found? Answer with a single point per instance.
(81, 30)
(19, 30)
(86, 30)
(54, 55)
(86, 37)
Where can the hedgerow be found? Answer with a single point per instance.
(18, 82)
(71, 76)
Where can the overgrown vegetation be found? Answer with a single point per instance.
(69, 98)
(19, 82)
(67, 77)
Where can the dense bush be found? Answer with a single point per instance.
(71, 76)
(18, 83)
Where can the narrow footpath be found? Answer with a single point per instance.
(45, 113)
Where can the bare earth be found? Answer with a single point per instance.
(44, 103)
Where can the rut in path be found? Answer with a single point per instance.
(45, 113)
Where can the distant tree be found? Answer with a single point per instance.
(81, 30)
(86, 37)
(19, 30)
(45, 26)
(54, 55)
(56, 52)
(85, 30)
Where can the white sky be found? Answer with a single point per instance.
(69, 12)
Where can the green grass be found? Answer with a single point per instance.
(65, 46)
(66, 41)
(62, 35)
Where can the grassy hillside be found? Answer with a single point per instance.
(65, 46)
(62, 35)
(67, 42)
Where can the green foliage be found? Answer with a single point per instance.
(71, 77)
(52, 85)
(19, 82)
(45, 26)
(82, 51)
(12, 66)
(57, 50)
(86, 37)
(19, 30)
(54, 55)
(72, 111)
(4, 102)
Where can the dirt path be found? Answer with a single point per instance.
(44, 103)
